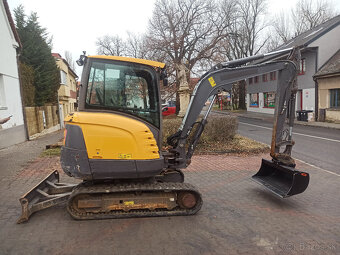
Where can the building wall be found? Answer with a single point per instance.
(261, 107)
(268, 86)
(325, 84)
(328, 44)
(305, 81)
(13, 131)
(308, 99)
(332, 115)
(67, 91)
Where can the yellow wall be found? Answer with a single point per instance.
(64, 90)
(325, 84)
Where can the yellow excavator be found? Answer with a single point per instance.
(113, 142)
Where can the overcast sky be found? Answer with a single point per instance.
(75, 25)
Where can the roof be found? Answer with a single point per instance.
(303, 40)
(133, 60)
(311, 35)
(11, 23)
(56, 55)
(332, 66)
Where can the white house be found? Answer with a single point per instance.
(13, 131)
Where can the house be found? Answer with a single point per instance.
(328, 80)
(67, 93)
(317, 46)
(13, 131)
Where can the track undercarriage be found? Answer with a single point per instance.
(165, 195)
(103, 201)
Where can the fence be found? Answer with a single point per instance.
(41, 118)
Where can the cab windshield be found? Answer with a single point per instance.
(126, 88)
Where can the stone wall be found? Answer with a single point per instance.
(40, 118)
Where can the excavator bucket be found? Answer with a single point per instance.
(49, 192)
(284, 181)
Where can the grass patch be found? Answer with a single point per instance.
(219, 136)
(238, 145)
(51, 152)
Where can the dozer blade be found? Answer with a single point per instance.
(284, 181)
(49, 192)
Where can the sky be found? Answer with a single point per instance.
(75, 25)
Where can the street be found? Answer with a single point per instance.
(313, 145)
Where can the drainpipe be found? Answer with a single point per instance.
(316, 87)
(21, 97)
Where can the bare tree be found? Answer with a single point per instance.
(184, 32)
(136, 46)
(244, 38)
(308, 14)
(69, 59)
(245, 32)
(111, 45)
(282, 27)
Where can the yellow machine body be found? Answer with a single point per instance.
(113, 136)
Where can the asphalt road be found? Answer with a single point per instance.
(313, 145)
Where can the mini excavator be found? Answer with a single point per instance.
(113, 142)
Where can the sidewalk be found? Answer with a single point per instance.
(270, 118)
(15, 157)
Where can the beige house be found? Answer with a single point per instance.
(328, 79)
(67, 92)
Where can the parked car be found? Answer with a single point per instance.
(167, 110)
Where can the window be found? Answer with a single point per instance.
(254, 100)
(302, 66)
(334, 98)
(123, 88)
(272, 76)
(269, 99)
(256, 79)
(264, 77)
(250, 80)
(62, 77)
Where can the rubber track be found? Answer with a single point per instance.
(133, 187)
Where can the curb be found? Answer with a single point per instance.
(301, 123)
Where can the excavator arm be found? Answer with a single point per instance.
(222, 77)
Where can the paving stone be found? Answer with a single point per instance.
(237, 217)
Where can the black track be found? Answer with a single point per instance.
(85, 189)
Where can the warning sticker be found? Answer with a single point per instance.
(129, 202)
(124, 156)
(212, 81)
